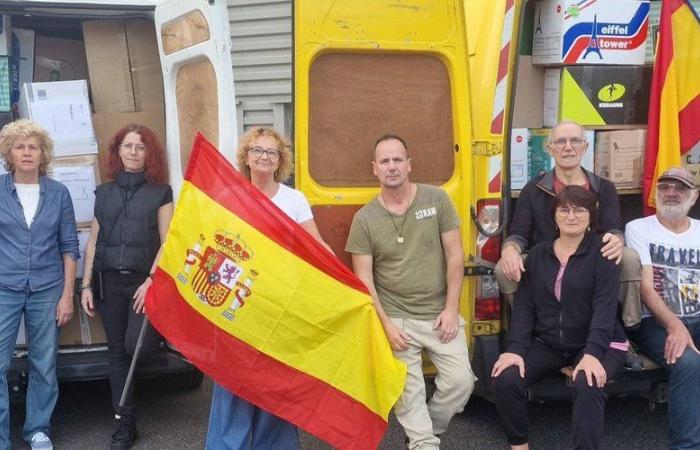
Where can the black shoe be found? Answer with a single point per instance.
(124, 436)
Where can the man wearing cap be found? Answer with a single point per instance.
(668, 244)
(533, 223)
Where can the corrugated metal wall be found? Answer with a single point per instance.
(261, 49)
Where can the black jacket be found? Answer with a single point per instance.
(585, 319)
(533, 223)
(127, 212)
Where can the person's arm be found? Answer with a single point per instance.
(86, 293)
(165, 215)
(605, 304)
(602, 323)
(68, 247)
(64, 309)
(678, 337)
(363, 267)
(519, 233)
(610, 222)
(447, 322)
(520, 333)
(312, 229)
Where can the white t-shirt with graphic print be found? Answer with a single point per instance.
(675, 259)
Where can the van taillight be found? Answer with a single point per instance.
(487, 302)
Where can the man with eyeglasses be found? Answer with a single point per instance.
(532, 221)
(668, 244)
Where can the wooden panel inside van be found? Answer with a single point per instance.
(197, 105)
(355, 98)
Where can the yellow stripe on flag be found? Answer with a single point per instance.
(296, 313)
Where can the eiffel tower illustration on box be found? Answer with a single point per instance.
(593, 43)
(538, 29)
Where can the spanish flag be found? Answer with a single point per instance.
(674, 107)
(257, 304)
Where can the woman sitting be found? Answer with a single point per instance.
(564, 313)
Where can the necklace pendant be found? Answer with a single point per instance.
(399, 239)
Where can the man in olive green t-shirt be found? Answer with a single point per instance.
(406, 247)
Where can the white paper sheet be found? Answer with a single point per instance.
(80, 181)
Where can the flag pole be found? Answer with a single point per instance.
(130, 375)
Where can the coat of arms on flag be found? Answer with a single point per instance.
(217, 271)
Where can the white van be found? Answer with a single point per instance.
(193, 45)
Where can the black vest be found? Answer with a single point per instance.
(127, 212)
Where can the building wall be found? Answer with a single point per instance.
(261, 50)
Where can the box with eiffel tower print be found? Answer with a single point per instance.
(590, 32)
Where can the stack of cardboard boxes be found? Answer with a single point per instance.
(117, 66)
(587, 65)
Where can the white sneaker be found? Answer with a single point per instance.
(40, 441)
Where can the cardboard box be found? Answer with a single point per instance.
(144, 63)
(538, 158)
(528, 107)
(82, 329)
(691, 161)
(81, 175)
(589, 95)
(604, 32)
(124, 65)
(57, 59)
(619, 157)
(63, 109)
(518, 158)
(107, 124)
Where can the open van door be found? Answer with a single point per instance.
(195, 53)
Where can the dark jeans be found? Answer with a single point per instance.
(683, 382)
(510, 391)
(122, 326)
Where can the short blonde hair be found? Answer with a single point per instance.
(25, 128)
(286, 162)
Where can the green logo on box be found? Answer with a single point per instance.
(611, 92)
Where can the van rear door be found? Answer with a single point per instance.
(195, 52)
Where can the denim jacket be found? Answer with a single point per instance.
(33, 256)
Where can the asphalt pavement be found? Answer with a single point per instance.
(178, 420)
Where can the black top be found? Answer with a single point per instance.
(585, 318)
(127, 212)
(533, 223)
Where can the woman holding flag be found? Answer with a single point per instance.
(132, 216)
(265, 158)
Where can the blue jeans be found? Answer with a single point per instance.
(235, 424)
(684, 381)
(39, 310)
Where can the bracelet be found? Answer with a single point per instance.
(86, 288)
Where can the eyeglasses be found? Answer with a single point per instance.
(128, 146)
(678, 187)
(271, 153)
(564, 211)
(575, 142)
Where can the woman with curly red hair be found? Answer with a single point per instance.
(132, 215)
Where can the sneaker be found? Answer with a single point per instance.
(124, 436)
(40, 441)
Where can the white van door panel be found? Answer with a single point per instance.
(195, 52)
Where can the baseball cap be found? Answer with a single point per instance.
(680, 174)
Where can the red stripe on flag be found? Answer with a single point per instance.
(205, 170)
(509, 4)
(282, 390)
(662, 63)
(689, 124)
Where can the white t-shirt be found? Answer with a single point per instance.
(293, 203)
(29, 198)
(675, 259)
